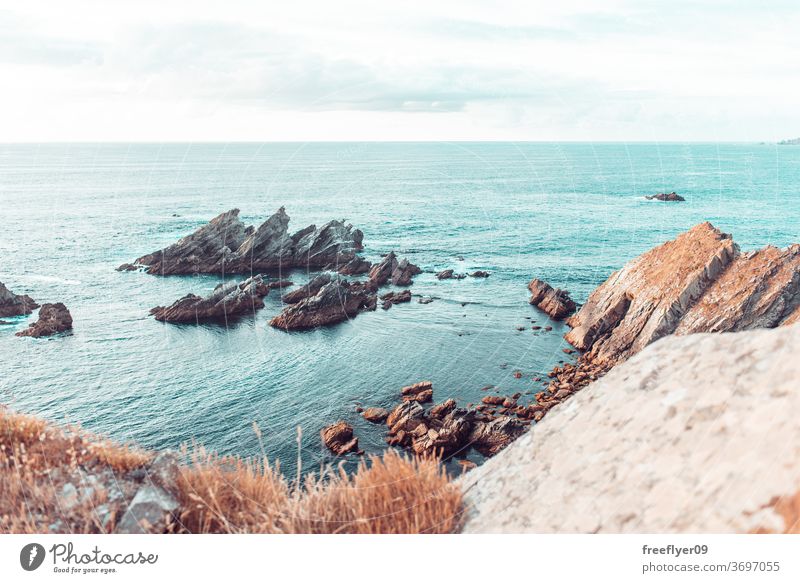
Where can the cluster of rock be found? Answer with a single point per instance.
(12, 304)
(327, 299)
(339, 439)
(225, 246)
(227, 299)
(53, 319)
(451, 274)
(666, 197)
(554, 302)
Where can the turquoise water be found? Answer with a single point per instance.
(566, 213)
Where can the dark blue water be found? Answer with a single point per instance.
(566, 213)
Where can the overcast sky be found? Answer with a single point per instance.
(412, 70)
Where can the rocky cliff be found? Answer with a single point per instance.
(699, 433)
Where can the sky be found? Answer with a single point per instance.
(617, 70)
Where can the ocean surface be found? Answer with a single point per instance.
(566, 213)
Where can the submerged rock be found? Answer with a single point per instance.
(335, 302)
(666, 197)
(280, 284)
(227, 299)
(225, 245)
(339, 438)
(555, 302)
(53, 319)
(12, 304)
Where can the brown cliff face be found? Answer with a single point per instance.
(648, 297)
(699, 282)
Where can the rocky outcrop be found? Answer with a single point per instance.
(280, 284)
(694, 434)
(375, 414)
(310, 289)
(699, 282)
(390, 270)
(339, 438)
(480, 274)
(227, 299)
(392, 298)
(225, 245)
(335, 302)
(646, 299)
(13, 305)
(666, 197)
(449, 274)
(554, 302)
(53, 319)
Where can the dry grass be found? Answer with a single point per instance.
(388, 494)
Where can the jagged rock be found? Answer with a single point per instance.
(391, 298)
(375, 414)
(555, 302)
(390, 269)
(450, 274)
(442, 409)
(490, 437)
(227, 299)
(416, 389)
(482, 274)
(404, 419)
(355, 266)
(405, 270)
(225, 246)
(335, 302)
(339, 438)
(647, 298)
(308, 290)
(666, 197)
(53, 318)
(444, 437)
(150, 511)
(13, 305)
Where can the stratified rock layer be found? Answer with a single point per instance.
(53, 319)
(699, 282)
(13, 305)
(228, 299)
(699, 433)
(335, 302)
(226, 245)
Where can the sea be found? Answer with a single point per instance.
(567, 213)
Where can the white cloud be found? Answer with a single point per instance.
(418, 70)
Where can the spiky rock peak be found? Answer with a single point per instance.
(12, 304)
(335, 302)
(554, 302)
(227, 299)
(53, 318)
(699, 282)
(226, 245)
(394, 271)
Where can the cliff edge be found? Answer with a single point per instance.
(697, 433)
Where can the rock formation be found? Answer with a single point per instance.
(695, 433)
(335, 302)
(699, 282)
(449, 274)
(13, 305)
(555, 302)
(375, 414)
(392, 298)
(53, 318)
(480, 274)
(225, 245)
(339, 438)
(227, 299)
(355, 266)
(666, 197)
(394, 271)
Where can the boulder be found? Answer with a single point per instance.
(225, 245)
(53, 319)
(375, 414)
(480, 274)
(394, 271)
(554, 302)
(666, 197)
(402, 274)
(227, 299)
(339, 438)
(335, 302)
(150, 511)
(391, 298)
(12, 304)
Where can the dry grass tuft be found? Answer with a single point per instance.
(44, 472)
